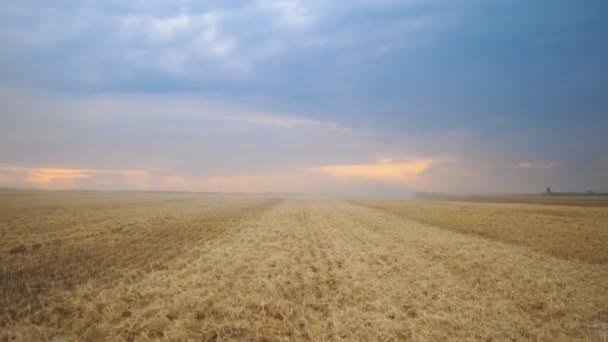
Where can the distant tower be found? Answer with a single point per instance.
(548, 191)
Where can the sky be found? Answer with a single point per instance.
(352, 98)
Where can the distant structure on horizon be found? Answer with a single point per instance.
(548, 192)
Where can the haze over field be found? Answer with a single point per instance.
(370, 98)
(254, 157)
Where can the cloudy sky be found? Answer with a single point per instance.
(354, 97)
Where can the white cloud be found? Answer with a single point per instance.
(283, 121)
(172, 43)
(200, 111)
(167, 27)
(535, 165)
(209, 38)
(290, 12)
(116, 43)
(153, 28)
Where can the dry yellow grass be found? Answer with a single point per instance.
(237, 268)
(569, 232)
(52, 241)
(561, 200)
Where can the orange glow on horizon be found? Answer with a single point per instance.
(49, 175)
(384, 169)
(312, 179)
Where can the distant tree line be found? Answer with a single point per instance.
(549, 192)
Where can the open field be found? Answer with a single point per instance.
(562, 200)
(171, 266)
(567, 232)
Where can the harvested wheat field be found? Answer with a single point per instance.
(173, 266)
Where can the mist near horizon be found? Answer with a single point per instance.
(366, 99)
